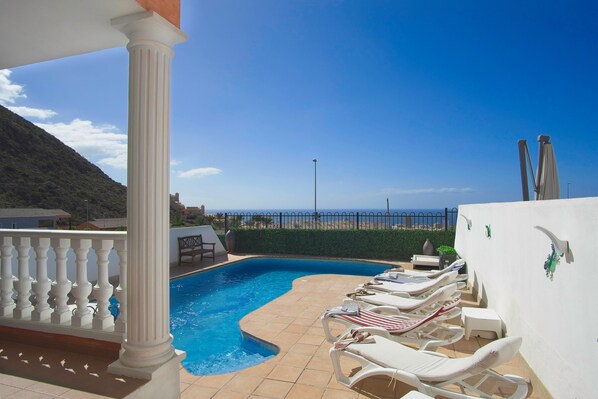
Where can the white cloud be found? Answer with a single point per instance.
(103, 144)
(27, 112)
(412, 191)
(199, 173)
(9, 91)
(174, 162)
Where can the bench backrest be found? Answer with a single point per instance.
(190, 242)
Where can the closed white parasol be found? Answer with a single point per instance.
(547, 186)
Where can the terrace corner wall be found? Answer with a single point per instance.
(557, 319)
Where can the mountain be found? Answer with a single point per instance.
(39, 171)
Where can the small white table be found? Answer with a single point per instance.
(482, 319)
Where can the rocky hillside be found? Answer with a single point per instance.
(39, 171)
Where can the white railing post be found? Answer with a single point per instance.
(62, 286)
(42, 284)
(7, 304)
(121, 291)
(23, 282)
(103, 290)
(82, 287)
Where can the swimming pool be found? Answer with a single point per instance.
(205, 308)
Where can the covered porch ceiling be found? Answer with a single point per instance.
(40, 30)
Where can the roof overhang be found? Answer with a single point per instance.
(40, 30)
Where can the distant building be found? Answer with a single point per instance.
(32, 218)
(104, 224)
(189, 212)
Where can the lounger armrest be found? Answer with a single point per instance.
(209, 243)
(438, 354)
(385, 309)
(375, 331)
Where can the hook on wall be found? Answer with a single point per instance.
(467, 220)
(561, 246)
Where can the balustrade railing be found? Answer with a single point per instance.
(66, 287)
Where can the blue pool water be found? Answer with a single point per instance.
(205, 308)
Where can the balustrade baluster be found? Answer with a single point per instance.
(42, 284)
(121, 291)
(103, 290)
(23, 282)
(62, 286)
(82, 287)
(7, 304)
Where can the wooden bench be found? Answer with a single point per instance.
(191, 246)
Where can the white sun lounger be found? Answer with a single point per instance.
(424, 331)
(431, 372)
(456, 265)
(411, 289)
(404, 304)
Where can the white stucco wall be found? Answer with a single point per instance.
(207, 234)
(557, 319)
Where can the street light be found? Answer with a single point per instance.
(315, 188)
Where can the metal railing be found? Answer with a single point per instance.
(343, 220)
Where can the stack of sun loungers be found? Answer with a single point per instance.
(409, 307)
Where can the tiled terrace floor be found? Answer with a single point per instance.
(302, 369)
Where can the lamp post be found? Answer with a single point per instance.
(315, 189)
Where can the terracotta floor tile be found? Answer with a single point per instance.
(315, 378)
(295, 359)
(273, 389)
(261, 370)
(243, 383)
(229, 395)
(311, 339)
(183, 386)
(338, 394)
(25, 394)
(285, 373)
(15, 381)
(303, 349)
(214, 381)
(198, 392)
(76, 394)
(300, 391)
(6, 390)
(320, 363)
(49, 389)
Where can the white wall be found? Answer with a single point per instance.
(557, 319)
(207, 234)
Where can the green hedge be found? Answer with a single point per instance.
(365, 244)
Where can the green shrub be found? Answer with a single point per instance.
(365, 244)
(446, 250)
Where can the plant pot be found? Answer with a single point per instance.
(428, 248)
(446, 260)
(231, 241)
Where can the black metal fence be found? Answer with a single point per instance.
(342, 220)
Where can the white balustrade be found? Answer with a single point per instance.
(42, 284)
(103, 290)
(121, 290)
(7, 304)
(23, 283)
(82, 287)
(46, 277)
(62, 286)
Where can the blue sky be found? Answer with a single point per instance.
(418, 102)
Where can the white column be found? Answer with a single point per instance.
(7, 304)
(148, 342)
(23, 283)
(62, 286)
(42, 284)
